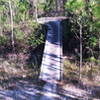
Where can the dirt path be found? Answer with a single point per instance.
(23, 90)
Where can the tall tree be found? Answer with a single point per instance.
(1, 34)
(35, 3)
(80, 25)
(12, 25)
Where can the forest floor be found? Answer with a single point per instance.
(18, 81)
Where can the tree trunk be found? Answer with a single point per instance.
(36, 9)
(1, 34)
(99, 51)
(12, 26)
(80, 51)
(64, 1)
(56, 5)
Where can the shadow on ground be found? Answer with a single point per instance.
(24, 90)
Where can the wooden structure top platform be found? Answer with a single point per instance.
(48, 19)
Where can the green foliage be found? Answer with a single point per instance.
(91, 59)
(47, 6)
(3, 40)
(78, 11)
(19, 34)
(21, 20)
(41, 5)
(93, 41)
(22, 11)
(37, 36)
(35, 41)
(75, 5)
(86, 14)
(95, 4)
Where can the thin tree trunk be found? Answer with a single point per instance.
(99, 50)
(80, 52)
(36, 9)
(64, 1)
(36, 14)
(56, 5)
(12, 26)
(1, 34)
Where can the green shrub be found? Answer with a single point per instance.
(3, 40)
(19, 34)
(37, 37)
(85, 14)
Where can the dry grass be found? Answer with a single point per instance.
(90, 81)
(14, 68)
(71, 70)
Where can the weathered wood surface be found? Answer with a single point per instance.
(48, 19)
(51, 67)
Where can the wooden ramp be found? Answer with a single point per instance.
(51, 68)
